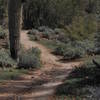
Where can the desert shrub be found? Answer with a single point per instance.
(56, 33)
(29, 59)
(47, 35)
(34, 37)
(33, 32)
(86, 45)
(5, 60)
(45, 29)
(42, 32)
(2, 33)
(42, 28)
(47, 32)
(58, 30)
(60, 49)
(61, 35)
(36, 51)
(63, 38)
(73, 53)
(82, 80)
(11, 74)
(89, 71)
(37, 38)
(69, 52)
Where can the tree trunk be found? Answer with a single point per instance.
(14, 15)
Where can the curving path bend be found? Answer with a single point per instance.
(39, 84)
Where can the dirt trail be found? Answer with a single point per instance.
(40, 84)
(48, 59)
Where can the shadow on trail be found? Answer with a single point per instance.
(47, 80)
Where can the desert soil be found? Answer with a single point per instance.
(39, 84)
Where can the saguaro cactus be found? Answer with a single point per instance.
(14, 16)
(97, 35)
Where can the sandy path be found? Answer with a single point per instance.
(40, 84)
(48, 59)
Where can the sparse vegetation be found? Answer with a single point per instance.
(51, 44)
(11, 74)
(67, 32)
(63, 45)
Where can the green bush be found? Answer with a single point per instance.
(2, 33)
(11, 74)
(5, 59)
(48, 33)
(34, 35)
(35, 51)
(29, 59)
(42, 28)
(69, 52)
(73, 53)
(60, 50)
(58, 30)
(86, 45)
(33, 32)
(63, 38)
